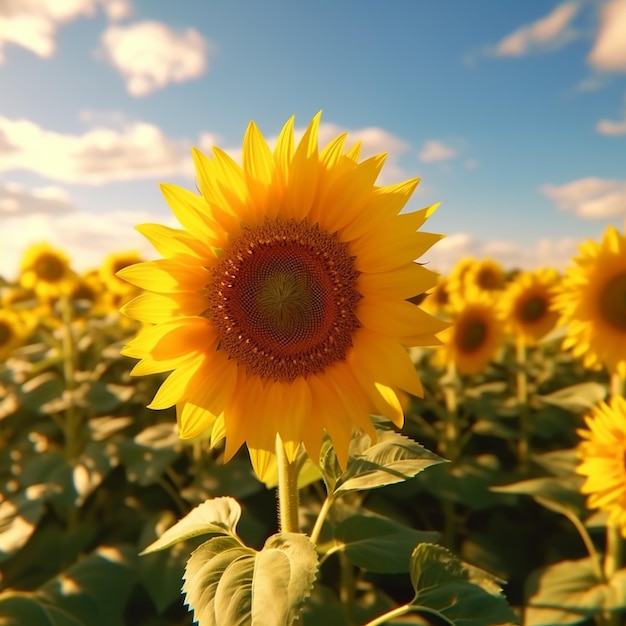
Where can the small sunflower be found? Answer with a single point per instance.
(475, 336)
(591, 300)
(111, 265)
(46, 270)
(12, 332)
(437, 301)
(602, 454)
(486, 275)
(282, 307)
(526, 305)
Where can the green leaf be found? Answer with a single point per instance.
(576, 398)
(392, 459)
(18, 609)
(378, 544)
(93, 591)
(573, 586)
(227, 583)
(447, 588)
(218, 516)
(555, 494)
(19, 516)
(42, 392)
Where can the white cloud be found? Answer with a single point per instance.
(608, 127)
(435, 151)
(84, 236)
(150, 55)
(548, 33)
(32, 24)
(511, 255)
(16, 200)
(99, 155)
(589, 198)
(609, 49)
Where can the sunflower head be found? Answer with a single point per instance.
(282, 306)
(475, 336)
(526, 305)
(13, 330)
(46, 270)
(438, 301)
(602, 452)
(591, 302)
(111, 265)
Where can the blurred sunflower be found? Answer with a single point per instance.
(486, 275)
(46, 270)
(526, 305)
(591, 300)
(475, 336)
(111, 265)
(602, 454)
(282, 308)
(437, 301)
(12, 332)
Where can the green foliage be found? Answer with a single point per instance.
(228, 583)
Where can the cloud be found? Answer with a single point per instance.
(32, 24)
(609, 49)
(84, 236)
(99, 155)
(150, 55)
(435, 151)
(548, 33)
(511, 255)
(589, 198)
(16, 200)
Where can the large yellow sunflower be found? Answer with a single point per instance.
(526, 305)
(46, 270)
(475, 336)
(591, 300)
(282, 307)
(602, 451)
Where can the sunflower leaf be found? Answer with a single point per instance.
(392, 459)
(227, 583)
(573, 586)
(456, 594)
(218, 516)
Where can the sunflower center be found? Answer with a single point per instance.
(489, 279)
(49, 267)
(5, 333)
(283, 299)
(471, 335)
(533, 309)
(613, 302)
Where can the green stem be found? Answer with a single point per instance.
(321, 517)
(287, 490)
(612, 564)
(385, 617)
(450, 449)
(72, 418)
(616, 385)
(593, 553)
(521, 384)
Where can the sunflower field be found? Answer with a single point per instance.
(467, 471)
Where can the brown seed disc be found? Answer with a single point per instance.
(471, 334)
(283, 299)
(613, 302)
(49, 267)
(533, 309)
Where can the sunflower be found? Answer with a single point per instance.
(282, 307)
(12, 332)
(602, 451)
(591, 300)
(486, 275)
(46, 270)
(111, 265)
(437, 301)
(475, 336)
(526, 305)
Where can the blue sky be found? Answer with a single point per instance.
(513, 113)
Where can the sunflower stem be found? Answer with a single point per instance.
(612, 563)
(72, 419)
(521, 384)
(321, 517)
(287, 490)
(617, 385)
(450, 449)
